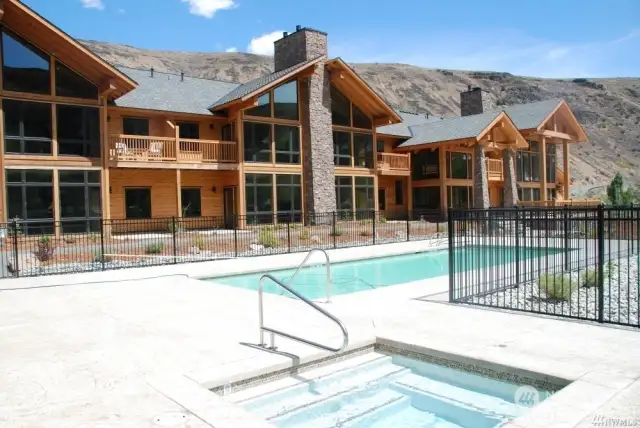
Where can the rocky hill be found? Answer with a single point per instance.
(609, 109)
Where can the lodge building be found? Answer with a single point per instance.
(81, 140)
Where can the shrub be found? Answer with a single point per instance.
(590, 278)
(155, 248)
(70, 239)
(198, 243)
(174, 226)
(102, 258)
(610, 269)
(44, 251)
(383, 219)
(267, 239)
(365, 222)
(442, 229)
(305, 234)
(336, 232)
(366, 233)
(556, 286)
(93, 237)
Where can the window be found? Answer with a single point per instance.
(382, 199)
(135, 126)
(25, 68)
(27, 127)
(138, 203)
(551, 194)
(191, 202)
(426, 198)
(528, 163)
(459, 165)
(551, 163)
(529, 194)
(287, 144)
(363, 150)
(364, 193)
(425, 165)
(228, 132)
(259, 194)
(289, 197)
(30, 198)
(399, 192)
(80, 201)
(78, 131)
(380, 146)
(285, 101)
(459, 196)
(263, 109)
(340, 108)
(361, 120)
(71, 84)
(344, 195)
(257, 142)
(189, 130)
(342, 148)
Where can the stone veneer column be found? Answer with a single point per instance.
(510, 191)
(480, 179)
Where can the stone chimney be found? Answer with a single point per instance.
(471, 102)
(302, 45)
(315, 107)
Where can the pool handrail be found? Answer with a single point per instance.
(328, 268)
(272, 332)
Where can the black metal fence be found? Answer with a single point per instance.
(117, 244)
(571, 262)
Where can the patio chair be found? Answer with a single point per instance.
(155, 149)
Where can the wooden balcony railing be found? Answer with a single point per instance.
(494, 169)
(561, 203)
(393, 161)
(138, 148)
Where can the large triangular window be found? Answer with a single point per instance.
(25, 68)
(71, 84)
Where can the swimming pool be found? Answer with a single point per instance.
(368, 274)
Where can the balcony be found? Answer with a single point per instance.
(138, 151)
(393, 164)
(494, 170)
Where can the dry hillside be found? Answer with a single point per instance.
(609, 109)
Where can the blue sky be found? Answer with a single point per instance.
(544, 38)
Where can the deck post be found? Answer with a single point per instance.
(442, 173)
(179, 192)
(565, 166)
(510, 190)
(543, 169)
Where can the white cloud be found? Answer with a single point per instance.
(263, 45)
(232, 49)
(208, 8)
(93, 4)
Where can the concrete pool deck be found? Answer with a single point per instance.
(104, 353)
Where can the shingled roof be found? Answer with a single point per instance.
(531, 115)
(408, 119)
(169, 92)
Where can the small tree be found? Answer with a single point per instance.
(615, 191)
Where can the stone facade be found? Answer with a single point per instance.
(472, 102)
(510, 195)
(480, 179)
(315, 99)
(301, 46)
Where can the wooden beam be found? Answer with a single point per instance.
(409, 191)
(56, 203)
(106, 88)
(3, 189)
(565, 163)
(242, 209)
(560, 135)
(105, 193)
(442, 161)
(543, 169)
(179, 192)
(1, 9)
(171, 124)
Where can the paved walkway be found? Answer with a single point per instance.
(123, 354)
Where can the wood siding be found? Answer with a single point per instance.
(389, 185)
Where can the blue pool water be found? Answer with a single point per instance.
(381, 391)
(360, 275)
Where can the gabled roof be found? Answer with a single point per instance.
(408, 119)
(168, 92)
(530, 115)
(261, 84)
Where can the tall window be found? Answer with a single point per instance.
(30, 198)
(363, 150)
(529, 194)
(191, 202)
(528, 163)
(399, 192)
(460, 196)
(71, 84)
(364, 193)
(25, 68)
(257, 142)
(341, 148)
(189, 130)
(289, 197)
(137, 202)
(228, 132)
(459, 165)
(281, 103)
(340, 108)
(287, 144)
(425, 165)
(259, 195)
(27, 127)
(135, 126)
(551, 163)
(426, 198)
(78, 131)
(344, 195)
(80, 201)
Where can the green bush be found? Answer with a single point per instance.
(198, 242)
(102, 258)
(365, 222)
(45, 249)
(267, 239)
(366, 233)
(336, 232)
(590, 278)
(383, 219)
(174, 226)
(556, 286)
(305, 234)
(155, 248)
(69, 239)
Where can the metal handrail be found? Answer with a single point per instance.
(328, 268)
(272, 332)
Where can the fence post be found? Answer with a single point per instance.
(565, 218)
(517, 237)
(408, 226)
(289, 236)
(600, 258)
(102, 243)
(235, 234)
(450, 227)
(334, 230)
(374, 227)
(173, 228)
(16, 259)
